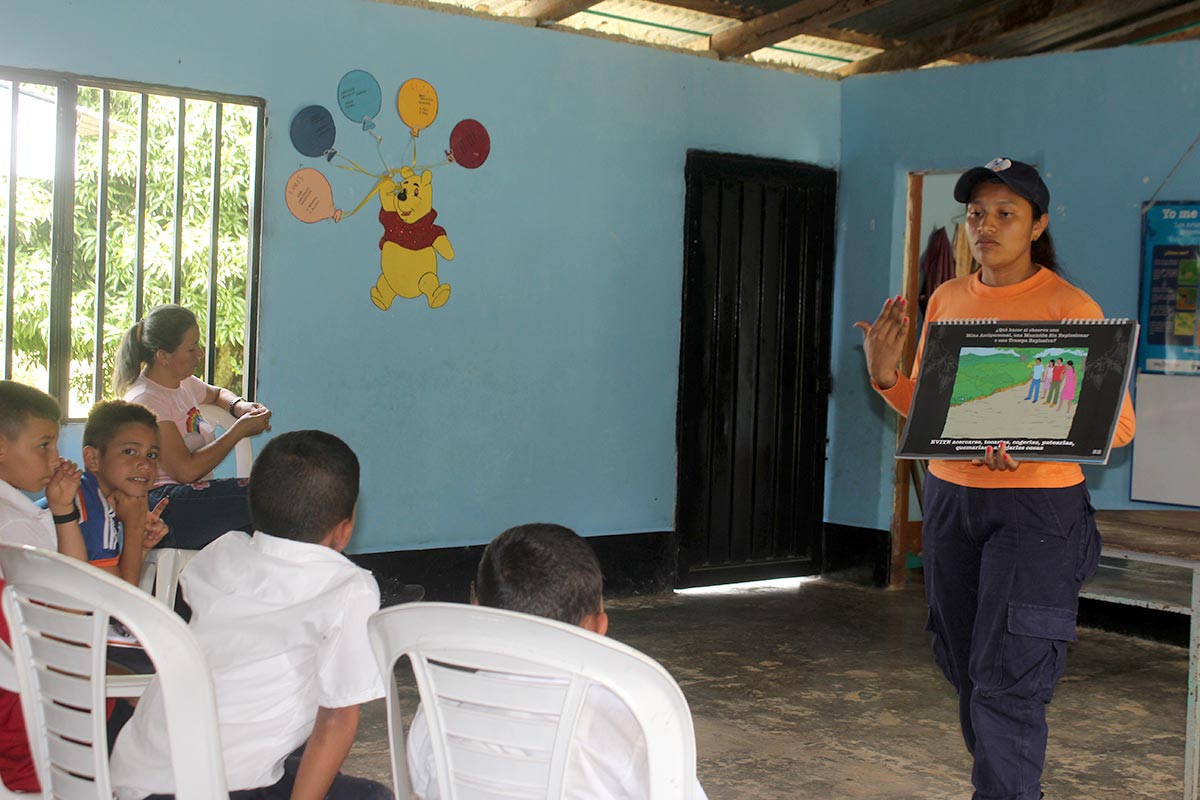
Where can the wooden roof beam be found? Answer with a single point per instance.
(854, 37)
(975, 29)
(544, 11)
(802, 17)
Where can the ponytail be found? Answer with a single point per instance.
(161, 329)
(1041, 251)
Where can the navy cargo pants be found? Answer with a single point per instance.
(1003, 569)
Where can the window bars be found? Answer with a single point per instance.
(115, 197)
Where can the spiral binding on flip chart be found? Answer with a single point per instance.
(1067, 321)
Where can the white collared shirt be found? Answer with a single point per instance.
(283, 625)
(22, 522)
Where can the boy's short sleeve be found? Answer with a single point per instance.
(346, 671)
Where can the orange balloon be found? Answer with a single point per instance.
(417, 103)
(310, 197)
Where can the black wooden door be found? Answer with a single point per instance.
(754, 366)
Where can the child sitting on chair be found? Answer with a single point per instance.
(29, 462)
(550, 571)
(282, 618)
(120, 456)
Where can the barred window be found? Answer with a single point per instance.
(115, 197)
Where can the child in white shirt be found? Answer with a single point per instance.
(282, 619)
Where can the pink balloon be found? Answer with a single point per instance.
(309, 196)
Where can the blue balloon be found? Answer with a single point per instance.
(313, 131)
(359, 97)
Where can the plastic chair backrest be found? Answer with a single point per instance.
(118, 686)
(58, 612)
(243, 452)
(493, 682)
(160, 572)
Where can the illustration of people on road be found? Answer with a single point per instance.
(1036, 383)
(1068, 389)
(1056, 382)
(1015, 392)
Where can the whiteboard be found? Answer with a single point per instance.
(1166, 448)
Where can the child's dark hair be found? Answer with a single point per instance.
(19, 402)
(108, 415)
(302, 485)
(541, 569)
(161, 329)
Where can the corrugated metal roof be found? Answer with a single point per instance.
(1060, 31)
(901, 18)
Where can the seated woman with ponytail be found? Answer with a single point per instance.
(155, 367)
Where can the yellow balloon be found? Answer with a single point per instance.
(417, 103)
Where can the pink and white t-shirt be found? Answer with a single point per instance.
(181, 406)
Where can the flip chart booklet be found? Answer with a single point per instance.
(1051, 390)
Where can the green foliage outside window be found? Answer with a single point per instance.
(34, 212)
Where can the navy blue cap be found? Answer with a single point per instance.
(1016, 175)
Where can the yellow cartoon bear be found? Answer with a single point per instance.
(411, 243)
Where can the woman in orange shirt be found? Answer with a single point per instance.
(1002, 575)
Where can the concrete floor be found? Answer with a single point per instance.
(829, 691)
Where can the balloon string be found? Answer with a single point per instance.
(355, 167)
(365, 199)
(424, 167)
(379, 149)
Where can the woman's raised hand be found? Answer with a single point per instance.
(883, 341)
(253, 422)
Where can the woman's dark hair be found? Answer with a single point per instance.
(162, 329)
(1042, 249)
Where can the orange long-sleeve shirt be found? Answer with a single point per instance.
(1043, 296)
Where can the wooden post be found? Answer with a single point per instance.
(905, 535)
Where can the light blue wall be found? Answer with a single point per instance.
(546, 388)
(1104, 126)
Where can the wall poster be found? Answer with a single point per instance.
(1170, 337)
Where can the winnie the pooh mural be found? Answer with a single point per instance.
(411, 243)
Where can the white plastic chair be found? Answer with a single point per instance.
(58, 612)
(489, 677)
(117, 686)
(160, 572)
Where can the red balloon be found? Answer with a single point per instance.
(470, 143)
